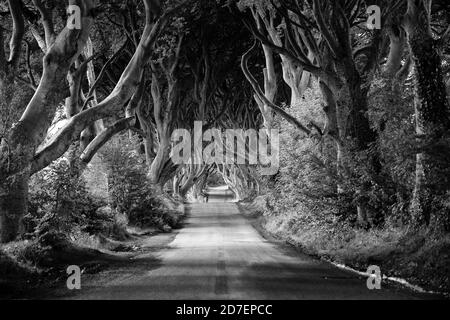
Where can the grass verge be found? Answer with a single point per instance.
(415, 257)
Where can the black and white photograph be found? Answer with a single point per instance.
(224, 156)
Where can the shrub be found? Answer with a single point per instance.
(58, 199)
(130, 191)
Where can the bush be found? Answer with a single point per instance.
(58, 199)
(153, 212)
(60, 206)
(131, 194)
(308, 175)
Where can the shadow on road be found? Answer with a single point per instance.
(220, 194)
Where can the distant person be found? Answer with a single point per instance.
(205, 195)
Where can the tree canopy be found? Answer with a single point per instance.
(362, 114)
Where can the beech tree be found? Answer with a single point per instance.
(318, 38)
(432, 116)
(18, 148)
(149, 67)
(26, 135)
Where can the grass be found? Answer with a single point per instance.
(416, 257)
(31, 266)
(15, 275)
(28, 266)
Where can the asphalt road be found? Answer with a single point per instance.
(219, 255)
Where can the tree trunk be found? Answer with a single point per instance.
(358, 132)
(176, 186)
(13, 205)
(17, 151)
(432, 121)
(397, 46)
(270, 89)
(157, 166)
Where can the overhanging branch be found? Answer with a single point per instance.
(104, 137)
(262, 97)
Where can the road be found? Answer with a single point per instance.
(219, 255)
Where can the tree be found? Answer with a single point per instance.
(24, 138)
(324, 39)
(17, 149)
(432, 120)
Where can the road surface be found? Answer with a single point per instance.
(219, 255)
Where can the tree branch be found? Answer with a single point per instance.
(263, 98)
(123, 91)
(100, 140)
(15, 44)
(47, 23)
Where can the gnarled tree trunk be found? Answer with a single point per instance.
(18, 149)
(432, 121)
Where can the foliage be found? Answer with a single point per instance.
(308, 175)
(12, 105)
(126, 173)
(130, 191)
(58, 199)
(215, 180)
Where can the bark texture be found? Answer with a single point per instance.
(432, 121)
(18, 149)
